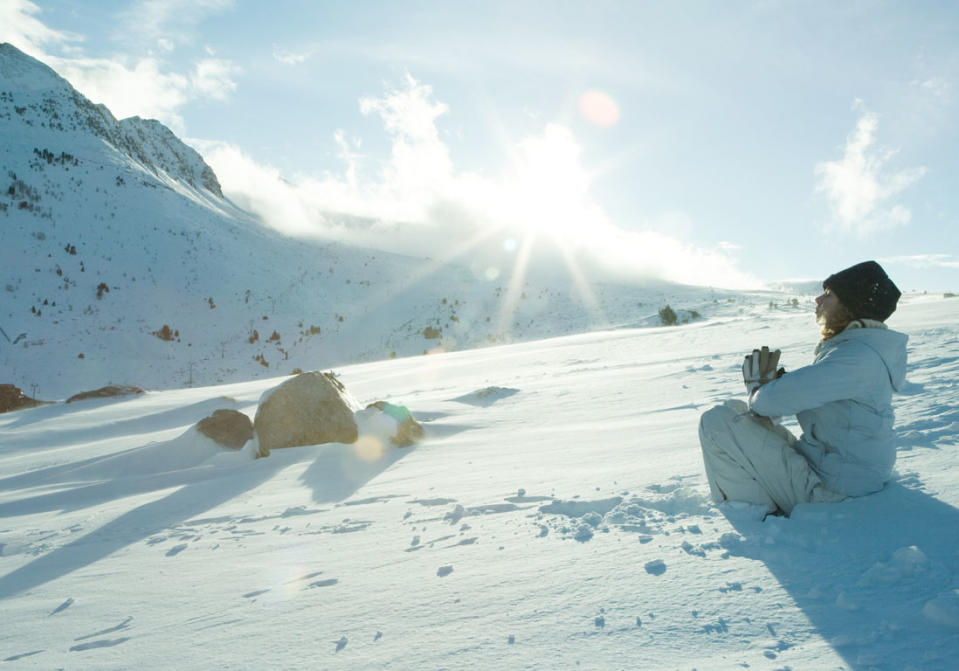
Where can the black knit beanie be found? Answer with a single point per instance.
(865, 290)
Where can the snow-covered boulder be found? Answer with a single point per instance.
(309, 409)
(229, 428)
(404, 430)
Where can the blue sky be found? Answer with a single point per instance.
(712, 143)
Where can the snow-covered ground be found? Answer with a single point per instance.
(555, 517)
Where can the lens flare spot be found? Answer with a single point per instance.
(491, 273)
(598, 108)
(509, 244)
(369, 448)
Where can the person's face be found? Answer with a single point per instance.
(827, 307)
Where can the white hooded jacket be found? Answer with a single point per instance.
(843, 402)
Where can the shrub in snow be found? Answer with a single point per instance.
(106, 392)
(13, 398)
(165, 333)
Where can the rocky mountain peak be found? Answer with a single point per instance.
(24, 73)
(40, 103)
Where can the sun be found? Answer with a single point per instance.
(538, 212)
(545, 203)
(546, 189)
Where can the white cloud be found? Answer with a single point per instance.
(142, 90)
(165, 23)
(924, 261)
(146, 89)
(936, 86)
(860, 186)
(21, 28)
(212, 78)
(127, 86)
(415, 202)
(259, 188)
(290, 57)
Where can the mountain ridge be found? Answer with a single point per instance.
(123, 263)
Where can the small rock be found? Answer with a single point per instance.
(655, 567)
(408, 430)
(229, 428)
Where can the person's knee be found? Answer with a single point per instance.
(720, 416)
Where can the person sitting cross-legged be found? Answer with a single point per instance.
(843, 402)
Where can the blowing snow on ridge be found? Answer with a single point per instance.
(123, 263)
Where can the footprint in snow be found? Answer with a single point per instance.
(340, 644)
(323, 583)
(486, 397)
(104, 643)
(444, 571)
(254, 594)
(13, 658)
(109, 630)
(432, 502)
(655, 567)
(306, 577)
(63, 606)
(176, 549)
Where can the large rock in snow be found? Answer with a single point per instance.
(309, 409)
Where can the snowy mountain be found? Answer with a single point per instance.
(556, 516)
(121, 262)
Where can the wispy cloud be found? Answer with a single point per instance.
(924, 261)
(147, 88)
(21, 27)
(291, 57)
(415, 201)
(935, 86)
(213, 78)
(165, 23)
(861, 186)
(127, 85)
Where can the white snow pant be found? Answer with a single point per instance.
(751, 458)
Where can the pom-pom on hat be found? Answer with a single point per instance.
(865, 290)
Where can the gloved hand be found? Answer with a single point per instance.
(760, 367)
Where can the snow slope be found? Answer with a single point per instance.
(555, 516)
(111, 230)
